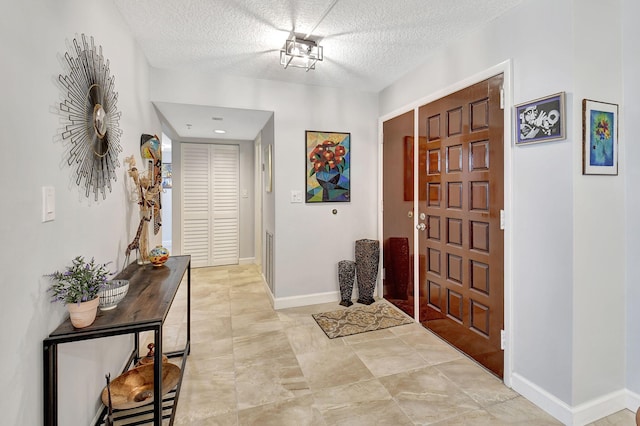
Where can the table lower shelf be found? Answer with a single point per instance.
(144, 415)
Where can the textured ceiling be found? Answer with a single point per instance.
(368, 44)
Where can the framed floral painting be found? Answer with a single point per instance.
(328, 167)
(599, 138)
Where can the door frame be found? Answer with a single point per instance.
(504, 68)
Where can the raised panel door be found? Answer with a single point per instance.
(461, 289)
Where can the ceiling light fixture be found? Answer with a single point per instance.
(221, 132)
(300, 53)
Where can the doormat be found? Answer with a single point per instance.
(345, 322)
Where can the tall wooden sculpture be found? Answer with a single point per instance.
(148, 185)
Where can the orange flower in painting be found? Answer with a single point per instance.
(327, 156)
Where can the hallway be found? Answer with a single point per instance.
(251, 365)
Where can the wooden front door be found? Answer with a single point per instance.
(398, 208)
(462, 244)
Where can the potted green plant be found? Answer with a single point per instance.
(78, 287)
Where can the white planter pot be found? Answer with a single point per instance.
(83, 314)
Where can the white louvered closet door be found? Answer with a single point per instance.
(210, 191)
(225, 195)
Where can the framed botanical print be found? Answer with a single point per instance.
(599, 138)
(328, 170)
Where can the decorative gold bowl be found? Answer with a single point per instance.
(135, 387)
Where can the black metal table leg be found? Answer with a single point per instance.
(188, 351)
(50, 376)
(157, 376)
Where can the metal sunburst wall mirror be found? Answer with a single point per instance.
(90, 117)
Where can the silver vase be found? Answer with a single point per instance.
(367, 258)
(346, 275)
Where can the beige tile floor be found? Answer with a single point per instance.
(251, 365)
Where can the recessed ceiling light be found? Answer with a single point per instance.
(219, 131)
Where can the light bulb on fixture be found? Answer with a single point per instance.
(300, 52)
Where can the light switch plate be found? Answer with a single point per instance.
(296, 196)
(48, 203)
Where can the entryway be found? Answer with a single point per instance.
(457, 195)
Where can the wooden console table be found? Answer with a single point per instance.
(151, 293)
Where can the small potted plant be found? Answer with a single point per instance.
(78, 287)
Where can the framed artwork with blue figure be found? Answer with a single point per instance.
(328, 170)
(599, 138)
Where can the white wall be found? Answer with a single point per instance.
(309, 240)
(167, 200)
(599, 212)
(630, 115)
(559, 339)
(267, 138)
(257, 195)
(34, 34)
(247, 201)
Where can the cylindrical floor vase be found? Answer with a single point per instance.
(346, 275)
(367, 258)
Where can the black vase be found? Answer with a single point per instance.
(367, 258)
(346, 275)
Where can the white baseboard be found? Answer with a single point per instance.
(267, 289)
(307, 299)
(633, 401)
(598, 408)
(543, 399)
(578, 415)
(246, 260)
